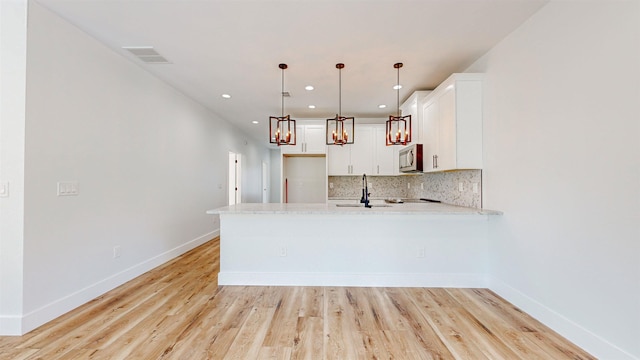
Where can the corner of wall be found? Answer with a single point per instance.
(582, 337)
(61, 306)
(13, 62)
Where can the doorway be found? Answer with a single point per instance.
(305, 179)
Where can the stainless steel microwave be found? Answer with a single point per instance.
(411, 158)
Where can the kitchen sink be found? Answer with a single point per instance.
(362, 205)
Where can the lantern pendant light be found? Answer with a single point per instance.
(282, 129)
(398, 127)
(340, 130)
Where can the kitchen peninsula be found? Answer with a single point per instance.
(345, 245)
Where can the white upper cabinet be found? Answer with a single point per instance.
(339, 160)
(430, 136)
(452, 126)
(385, 160)
(367, 155)
(310, 140)
(352, 159)
(361, 149)
(413, 106)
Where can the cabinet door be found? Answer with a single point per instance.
(314, 139)
(385, 157)
(430, 135)
(339, 160)
(298, 148)
(447, 130)
(361, 151)
(409, 108)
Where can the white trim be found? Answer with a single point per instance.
(452, 280)
(56, 308)
(10, 325)
(575, 333)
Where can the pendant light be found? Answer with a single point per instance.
(398, 127)
(282, 129)
(340, 130)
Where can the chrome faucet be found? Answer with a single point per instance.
(365, 192)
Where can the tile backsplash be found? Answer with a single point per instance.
(443, 186)
(380, 187)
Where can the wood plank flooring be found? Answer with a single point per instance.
(177, 311)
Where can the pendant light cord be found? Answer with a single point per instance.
(339, 66)
(398, 92)
(339, 92)
(282, 94)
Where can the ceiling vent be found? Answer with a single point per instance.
(146, 54)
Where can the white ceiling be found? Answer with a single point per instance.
(235, 46)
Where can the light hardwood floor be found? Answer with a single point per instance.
(177, 311)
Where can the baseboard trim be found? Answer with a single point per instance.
(63, 305)
(466, 280)
(580, 336)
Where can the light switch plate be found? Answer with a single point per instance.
(460, 186)
(4, 189)
(68, 188)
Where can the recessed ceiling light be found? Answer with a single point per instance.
(396, 87)
(308, 87)
(382, 106)
(255, 122)
(312, 106)
(226, 96)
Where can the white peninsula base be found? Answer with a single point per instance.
(353, 247)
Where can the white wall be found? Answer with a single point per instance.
(148, 160)
(562, 160)
(275, 176)
(13, 62)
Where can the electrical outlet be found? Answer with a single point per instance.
(460, 186)
(421, 186)
(421, 252)
(475, 188)
(283, 251)
(117, 251)
(408, 185)
(331, 185)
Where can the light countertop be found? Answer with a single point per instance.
(333, 208)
